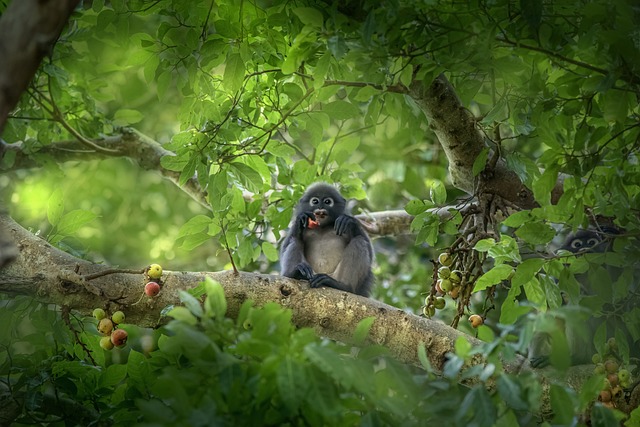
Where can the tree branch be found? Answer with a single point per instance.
(28, 30)
(461, 141)
(55, 277)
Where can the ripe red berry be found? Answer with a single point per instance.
(119, 337)
(152, 289)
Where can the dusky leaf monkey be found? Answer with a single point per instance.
(327, 246)
(577, 334)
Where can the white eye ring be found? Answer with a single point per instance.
(592, 241)
(328, 201)
(314, 201)
(576, 244)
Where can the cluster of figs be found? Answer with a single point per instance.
(108, 326)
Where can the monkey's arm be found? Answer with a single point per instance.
(292, 261)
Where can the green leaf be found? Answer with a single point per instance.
(309, 16)
(416, 207)
(536, 233)
(233, 73)
(183, 314)
(55, 207)
(543, 186)
(174, 163)
(516, 219)
(248, 176)
(362, 330)
(438, 192)
(492, 277)
(125, 117)
(292, 382)
(191, 303)
(73, 221)
(192, 241)
(480, 162)
(341, 110)
(485, 245)
(511, 392)
(215, 306)
(197, 224)
(270, 251)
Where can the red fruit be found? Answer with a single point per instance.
(119, 337)
(313, 224)
(605, 396)
(152, 289)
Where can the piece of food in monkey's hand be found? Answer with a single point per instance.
(313, 224)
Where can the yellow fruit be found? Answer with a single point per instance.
(105, 326)
(154, 271)
(105, 343)
(445, 259)
(455, 292)
(117, 317)
(476, 320)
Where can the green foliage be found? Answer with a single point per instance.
(259, 100)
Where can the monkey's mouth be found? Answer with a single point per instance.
(320, 215)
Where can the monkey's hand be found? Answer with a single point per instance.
(323, 280)
(303, 271)
(302, 222)
(346, 224)
(539, 362)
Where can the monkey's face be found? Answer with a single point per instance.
(323, 209)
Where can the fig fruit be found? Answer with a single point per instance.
(117, 317)
(154, 271)
(99, 313)
(476, 320)
(313, 224)
(445, 259)
(119, 337)
(105, 343)
(444, 272)
(152, 289)
(105, 326)
(439, 303)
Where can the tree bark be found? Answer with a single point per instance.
(28, 31)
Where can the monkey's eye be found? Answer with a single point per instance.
(314, 201)
(576, 244)
(328, 201)
(592, 242)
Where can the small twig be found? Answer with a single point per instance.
(66, 310)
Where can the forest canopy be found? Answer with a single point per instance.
(183, 134)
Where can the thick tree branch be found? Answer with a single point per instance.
(462, 143)
(28, 30)
(145, 151)
(55, 277)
